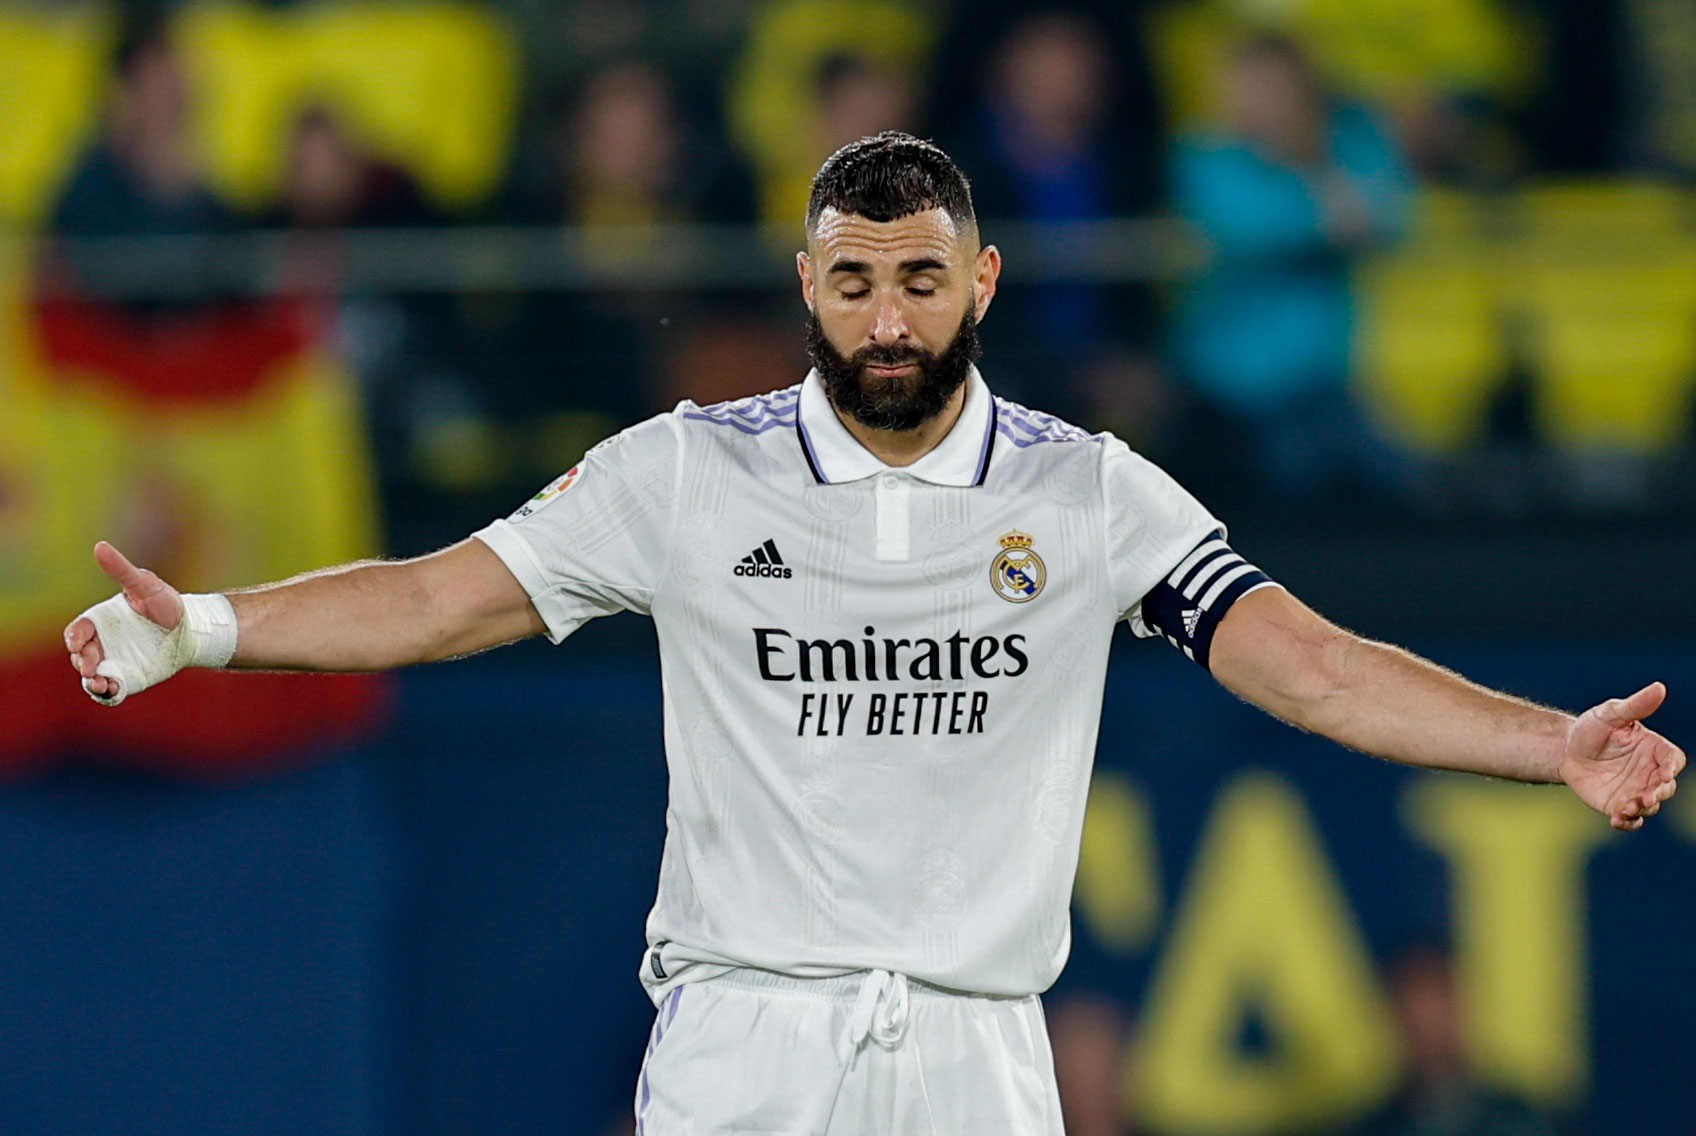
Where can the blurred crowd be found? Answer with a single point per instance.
(1439, 1090)
(1299, 142)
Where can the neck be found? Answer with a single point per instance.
(904, 447)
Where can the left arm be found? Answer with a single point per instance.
(1277, 653)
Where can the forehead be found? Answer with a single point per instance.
(931, 234)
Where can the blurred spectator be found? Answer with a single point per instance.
(1088, 1034)
(854, 94)
(1454, 75)
(1440, 1096)
(1047, 145)
(334, 181)
(1071, 78)
(625, 160)
(1287, 193)
(513, 386)
(859, 96)
(622, 149)
(817, 74)
(142, 175)
(620, 160)
(630, 157)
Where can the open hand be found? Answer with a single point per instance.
(147, 594)
(1617, 765)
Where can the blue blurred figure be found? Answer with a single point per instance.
(1441, 1094)
(1064, 131)
(1288, 193)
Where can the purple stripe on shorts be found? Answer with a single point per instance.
(662, 1018)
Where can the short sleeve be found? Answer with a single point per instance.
(597, 540)
(1152, 524)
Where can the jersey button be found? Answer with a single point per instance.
(891, 480)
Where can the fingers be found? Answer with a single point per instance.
(116, 565)
(137, 583)
(1670, 765)
(1635, 812)
(101, 685)
(1645, 803)
(83, 642)
(79, 634)
(1674, 760)
(140, 586)
(87, 661)
(86, 656)
(1630, 816)
(1624, 711)
(1666, 764)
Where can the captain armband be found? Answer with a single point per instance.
(1185, 608)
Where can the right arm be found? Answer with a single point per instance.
(378, 614)
(597, 540)
(368, 616)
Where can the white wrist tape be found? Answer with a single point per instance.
(139, 653)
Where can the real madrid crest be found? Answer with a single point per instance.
(1017, 573)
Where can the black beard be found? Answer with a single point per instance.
(898, 404)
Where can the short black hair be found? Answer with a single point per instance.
(888, 176)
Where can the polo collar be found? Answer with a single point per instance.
(834, 455)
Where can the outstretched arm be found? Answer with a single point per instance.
(368, 616)
(1274, 651)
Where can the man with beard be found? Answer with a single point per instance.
(884, 600)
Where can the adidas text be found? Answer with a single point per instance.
(776, 570)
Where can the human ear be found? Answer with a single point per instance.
(986, 270)
(804, 268)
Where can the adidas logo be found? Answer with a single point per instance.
(764, 561)
(1192, 620)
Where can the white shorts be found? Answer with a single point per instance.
(752, 1053)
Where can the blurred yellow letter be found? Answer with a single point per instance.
(1263, 930)
(1518, 860)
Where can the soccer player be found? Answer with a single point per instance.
(884, 599)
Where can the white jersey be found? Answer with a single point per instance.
(882, 685)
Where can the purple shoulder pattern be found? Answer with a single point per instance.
(1024, 427)
(753, 415)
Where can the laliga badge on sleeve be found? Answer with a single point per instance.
(1017, 573)
(554, 488)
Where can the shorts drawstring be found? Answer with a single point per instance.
(880, 1012)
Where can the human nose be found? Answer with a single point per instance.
(891, 326)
